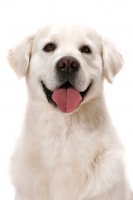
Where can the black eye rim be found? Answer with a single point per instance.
(86, 49)
(49, 47)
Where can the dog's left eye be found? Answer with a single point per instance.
(49, 47)
(85, 49)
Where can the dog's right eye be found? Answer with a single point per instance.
(49, 47)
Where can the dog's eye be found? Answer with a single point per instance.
(49, 47)
(85, 49)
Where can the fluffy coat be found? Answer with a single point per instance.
(67, 156)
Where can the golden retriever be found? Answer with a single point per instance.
(68, 149)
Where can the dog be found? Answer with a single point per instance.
(68, 148)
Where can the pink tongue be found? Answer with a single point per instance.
(67, 99)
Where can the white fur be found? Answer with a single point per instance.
(59, 156)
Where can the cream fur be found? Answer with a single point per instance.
(76, 156)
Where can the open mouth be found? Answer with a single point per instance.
(66, 98)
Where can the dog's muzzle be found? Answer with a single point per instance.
(66, 97)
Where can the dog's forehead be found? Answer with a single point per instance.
(64, 32)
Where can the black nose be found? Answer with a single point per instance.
(68, 64)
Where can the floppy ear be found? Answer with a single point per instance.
(112, 60)
(19, 56)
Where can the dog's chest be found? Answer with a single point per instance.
(68, 155)
(65, 159)
(61, 159)
(65, 144)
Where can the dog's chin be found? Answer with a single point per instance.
(66, 85)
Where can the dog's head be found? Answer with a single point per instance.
(65, 65)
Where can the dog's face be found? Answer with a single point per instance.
(66, 62)
(65, 65)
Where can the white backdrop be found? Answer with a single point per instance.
(17, 17)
